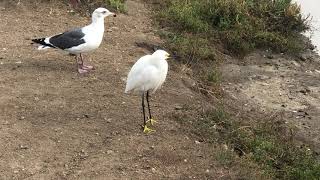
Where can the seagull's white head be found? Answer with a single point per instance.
(161, 54)
(102, 13)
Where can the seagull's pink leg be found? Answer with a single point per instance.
(80, 65)
(85, 67)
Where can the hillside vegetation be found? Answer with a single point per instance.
(195, 30)
(239, 25)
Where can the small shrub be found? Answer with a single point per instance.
(262, 143)
(118, 5)
(239, 25)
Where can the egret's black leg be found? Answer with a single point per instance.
(145, 127)
(152, 121)
(150, 117)
(144, 114)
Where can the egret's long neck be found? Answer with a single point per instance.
(156, 61)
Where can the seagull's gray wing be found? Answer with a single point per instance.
(68, 39)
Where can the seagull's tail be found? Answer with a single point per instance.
(43, 43)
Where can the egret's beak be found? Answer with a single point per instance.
(168, 56)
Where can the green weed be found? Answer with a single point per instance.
(118, 5)
(262, 143)
(239, 25)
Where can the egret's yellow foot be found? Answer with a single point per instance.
(147, 130)
(152, 121)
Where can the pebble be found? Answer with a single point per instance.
(108, 120)
(153, 170)
(23, 147)
(110, 152)
(178, 107)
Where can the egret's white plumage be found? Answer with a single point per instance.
(148, 74)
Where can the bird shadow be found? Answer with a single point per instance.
(35, 65)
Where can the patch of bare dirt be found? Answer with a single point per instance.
(57, 124)
(278, 84)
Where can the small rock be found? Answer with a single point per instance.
(270, 56)
(23, 147)
(110, 152)
(197, 142)
(108, 120)
(178, 107)
(262, 77)
(304, 57)
(295, 64)
(153, 170)
(15, 171)
(207, 171)
(305, 91)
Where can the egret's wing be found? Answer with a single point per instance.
(141, 73)
(162, 75)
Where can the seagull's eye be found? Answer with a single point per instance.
(103, 12)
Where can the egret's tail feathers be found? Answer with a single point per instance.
(43, 43)
(128, 89)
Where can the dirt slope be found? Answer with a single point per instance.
(279, 85)
(57, 124)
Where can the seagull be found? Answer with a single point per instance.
(79, 40)
(146, 76)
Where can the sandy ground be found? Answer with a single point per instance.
(57, 124)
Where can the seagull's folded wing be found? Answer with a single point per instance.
(68, 39)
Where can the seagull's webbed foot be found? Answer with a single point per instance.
(82, 71)
(151, 121)
(87, 67)
(147, 130)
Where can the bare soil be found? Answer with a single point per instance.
(57, 124)
(275, 84)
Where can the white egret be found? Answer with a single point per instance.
(145, 77)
